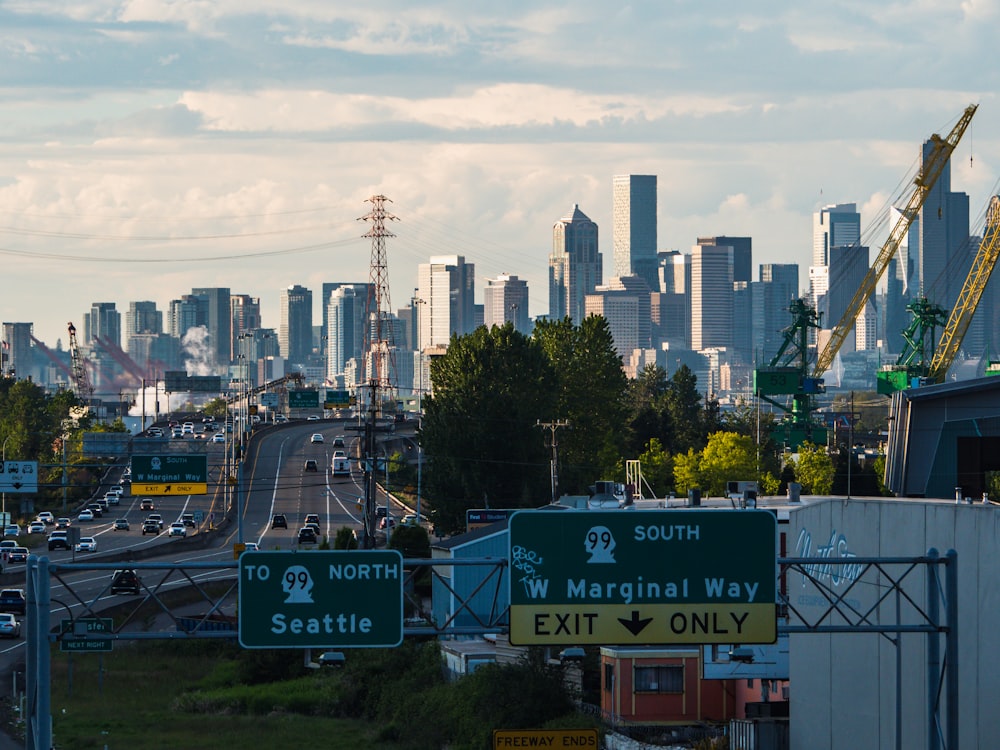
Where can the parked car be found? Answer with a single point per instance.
(58, 540)
(46, 517)
(18, 555)
(121, 524)
(177, 529)
(146, 504)
(12, 600)
(316, 438)
(10, 627)
(150, 527)
(278, 521)
(85, 515)
(125, 582)
(307, 535)
(86, 544)
(36, 527)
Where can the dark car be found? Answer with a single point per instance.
(121, 524)
(150, 526)
(125, 582)
(310, 465)
(58, 540)
(278, 521)
(12, 600)
(307, 535)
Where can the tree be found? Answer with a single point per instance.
(683, 404)
(345, 538)
(590, 395)
(814, 469)
(657, 468)
(649, 417)
(727, 457)
(215, 408)
(686, 471)
(478, 432)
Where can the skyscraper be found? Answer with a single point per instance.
(17, 361)
(505, 298)
(447, 286)
(142, 317)
(103, 321)
(575, 265)
(183, 315)
(836, 224)
(771, 296)
(634, 227)
(711, 297)
(217, 318)
(295, 330)
(345, 316)
(244, 314)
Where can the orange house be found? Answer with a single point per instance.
(663, 685)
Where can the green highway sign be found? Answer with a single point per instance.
(303, 399)
(19, 476)
(86, 634)
(170, 469)
(321, 599)
(625, 577)
(337, 399)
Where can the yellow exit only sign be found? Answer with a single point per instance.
(177, 488)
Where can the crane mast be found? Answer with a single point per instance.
(84, 389)
(941, 151)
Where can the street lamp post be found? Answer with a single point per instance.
(3, 509)
(420, 390)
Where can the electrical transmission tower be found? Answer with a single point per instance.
(379, 353)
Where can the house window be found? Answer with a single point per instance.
(609, 676)
(661, 679)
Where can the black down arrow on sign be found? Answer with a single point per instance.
(635, 625)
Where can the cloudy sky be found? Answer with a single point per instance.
(151, 146)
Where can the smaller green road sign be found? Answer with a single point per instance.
(170, 469)
(321, 599)
(642, 577)
(86, 634)
(303, 399)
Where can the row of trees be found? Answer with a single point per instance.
(487, 443)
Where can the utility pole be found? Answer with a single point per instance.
(554, 443)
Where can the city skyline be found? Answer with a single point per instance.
(180, 146)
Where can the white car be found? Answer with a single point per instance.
(36, 527)
(250, 547)
(46, 517)
(218, 438)
(86, 544)
(85, 515)
(12, 529)
(177, 529)
(316, 438)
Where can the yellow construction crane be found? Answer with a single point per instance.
(941, 151)
(969, 297)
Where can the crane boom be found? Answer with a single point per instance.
(84, 389)
(969, 297)
(941, 151)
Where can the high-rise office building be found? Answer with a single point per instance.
(711, 297)
(672, 303)
(505, 298)
(183, 315)
(742, 254)
(346, 320)
(17, 360)
(626, 305)
(244, 315)
(847, 270)
(771, 297)
(142, 317)
(634, 227)
(575, 265)
(103, 321)
(833, 225)
(217, 318)
(447, 286)
(902, 285)
(295, 330)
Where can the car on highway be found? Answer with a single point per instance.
(8, 544)
(12, 600)
(155, 517)
(250, 547)
(96, 510)
(278, 521)
(387, 522)
(310, 465)
(177, 529)
(316, 438)
(410, 519)
(17, 555)
(86, 544)
(36, 527)
(188, 428)
(311, 518)
(331, 659)
(11, 529)
(338, 442)
(307, 535)
(188, 519)
(121, 524)
(313, 418)
(85, 515)
(150, 527)
(58, 540)
(218, 438)
(146, 504)
(46, 517)
(63, 522)
(10, 627)
(125, 582)
(113, 498)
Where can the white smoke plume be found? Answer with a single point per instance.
(201, 359)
